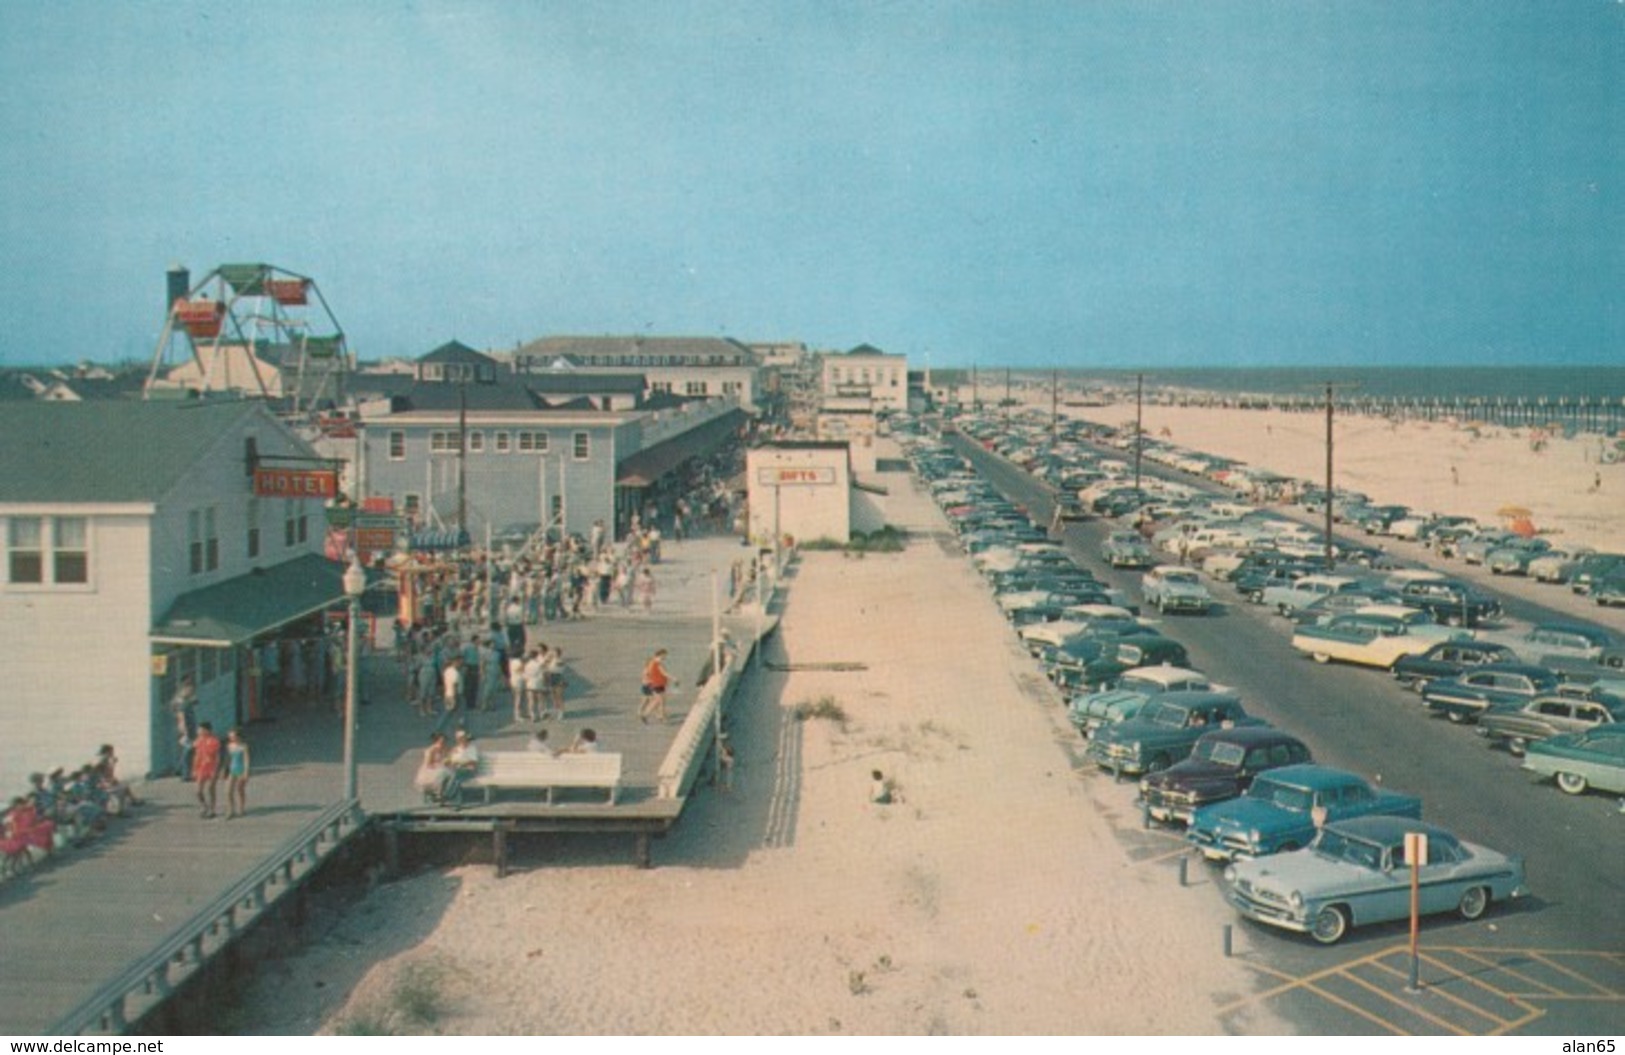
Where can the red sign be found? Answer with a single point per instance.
(296, 483)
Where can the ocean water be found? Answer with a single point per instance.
(1383, 383)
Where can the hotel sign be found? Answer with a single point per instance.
(296, 483)
(814, 477)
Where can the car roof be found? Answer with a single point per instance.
(1312, 775)
(1165, 674)
(1250, 736)
(1532, 670)
(1385, 829)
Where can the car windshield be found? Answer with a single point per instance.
(1285, 796)
(1131, 683)
(1219, 753)
(1171, 715)
(1336, 846)
(1184, 577)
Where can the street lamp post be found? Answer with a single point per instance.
(355, 582)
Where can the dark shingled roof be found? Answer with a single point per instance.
(108, 450)
(866, 349)
(456, 352)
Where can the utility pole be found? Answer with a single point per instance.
(1139, 414)
(462, 457)
(1054, 407)
(1331, 387)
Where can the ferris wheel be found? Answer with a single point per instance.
(251, 328)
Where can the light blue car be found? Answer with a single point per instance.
(1356, 873)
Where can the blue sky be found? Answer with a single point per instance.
(1068, 184)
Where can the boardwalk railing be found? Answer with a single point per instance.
(698, 732)
(150, 980)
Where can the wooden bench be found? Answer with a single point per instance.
(525, 770)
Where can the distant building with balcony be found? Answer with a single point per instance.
(679, 367)
(867, 371)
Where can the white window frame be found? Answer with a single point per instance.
(397, 445)
(581, 446)
(502, 441)
(48, 551)
(476, 441)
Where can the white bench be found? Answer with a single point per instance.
(540, 770)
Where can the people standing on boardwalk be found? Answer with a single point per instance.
(536, 683)
(184, 707)
(236, 774)
(516, 684)
(490, 671)
(646, 588)
(656, 682)
(451, 696)
(554, 677)
(206, 767)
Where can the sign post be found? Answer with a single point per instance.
(1416, 854)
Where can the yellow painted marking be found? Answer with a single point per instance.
(1465, 1005)
(1412, 1008)
(1576, 975)
(1502, 968)
(1356, 1009)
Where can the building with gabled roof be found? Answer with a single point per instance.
(691, 367)
(133, 538)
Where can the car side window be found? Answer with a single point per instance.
(1591, 713)
(1355, 794)
(1554, 709)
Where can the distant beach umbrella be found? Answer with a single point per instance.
(1517, 512)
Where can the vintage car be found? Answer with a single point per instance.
(1251, 583)
(1164, 731)
(1475, 549)
(1374, 637)
(1279, 811)
(1558, 565)
(1134, 689)
(1448, 659)
(1466, 696)
(1118, 658)
(1519, 725)
(1221, 766)
(1512, 558)
(1356, 872)
(1126, 549)
(1593, 569)
(1578, 761)
(1610, 590)
(1288, 598)
(1545, 641)
(1091, 621)
(1172, 589)
(1449, 602)
(1321, 612)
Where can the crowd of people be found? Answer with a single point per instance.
(62, 809)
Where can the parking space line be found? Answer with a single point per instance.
(1356, 1009)
(1576, 975)
(1409, 1006)
(1436, 989)
(1502, 968)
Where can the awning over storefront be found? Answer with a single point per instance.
(238, 610)
(647, 466)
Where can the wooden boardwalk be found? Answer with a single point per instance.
(80, 920)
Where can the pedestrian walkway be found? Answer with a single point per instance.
(81, 919)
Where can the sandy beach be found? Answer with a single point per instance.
(996, 897)
(1003, 894)
(1432, 466)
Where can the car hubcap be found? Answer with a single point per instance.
(1329, 926)
(1473, 903)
